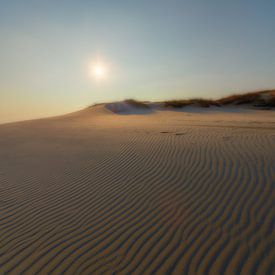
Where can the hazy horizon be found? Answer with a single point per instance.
(154, 51)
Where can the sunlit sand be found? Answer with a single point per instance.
(119, 189)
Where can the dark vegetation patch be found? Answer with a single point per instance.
(136, 103)
(261, 99)
(256, 99)
(199, 102)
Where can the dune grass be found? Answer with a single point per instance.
(136, 103)
(256, 99)
(196, 102)
(259, 99)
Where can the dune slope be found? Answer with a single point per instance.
(96, 192)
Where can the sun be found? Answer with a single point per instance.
(99, 70)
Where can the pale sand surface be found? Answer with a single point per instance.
(161, 193)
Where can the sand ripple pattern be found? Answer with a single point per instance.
(186, 200)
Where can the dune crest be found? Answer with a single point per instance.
(255, 100)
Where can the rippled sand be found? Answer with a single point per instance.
(159, 193)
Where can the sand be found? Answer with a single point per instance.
(166, 192)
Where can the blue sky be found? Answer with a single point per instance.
(155, 50)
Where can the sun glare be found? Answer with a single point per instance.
(99, 70)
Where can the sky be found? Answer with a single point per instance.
(154, 50)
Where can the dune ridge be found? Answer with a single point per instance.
(162, 193)
(260, 100)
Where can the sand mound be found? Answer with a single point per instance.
(169, 193)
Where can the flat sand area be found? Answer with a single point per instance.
(167, 192)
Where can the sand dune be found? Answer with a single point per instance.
(95, 192)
